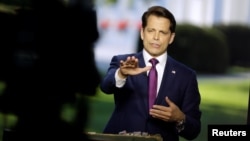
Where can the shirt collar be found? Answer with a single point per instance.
(162, 58)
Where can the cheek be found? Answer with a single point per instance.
(166, 40)
(147, 37)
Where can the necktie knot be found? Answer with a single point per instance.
(153, 61)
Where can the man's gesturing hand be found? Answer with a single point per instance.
(172, 113)
(130, 66)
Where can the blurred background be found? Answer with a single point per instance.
(212, 37)
(119, 22)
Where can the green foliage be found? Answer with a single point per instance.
(110, 1)
(238, 42)
(2, 87)
(203, 49)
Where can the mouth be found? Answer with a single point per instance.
(155, 45)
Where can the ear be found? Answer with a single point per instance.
(172, 38)
(142, 32)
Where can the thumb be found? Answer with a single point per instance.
(145, 69)
(169, 102)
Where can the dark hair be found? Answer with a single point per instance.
(160, 12)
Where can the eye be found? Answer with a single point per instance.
(150, 30)
(164, 32)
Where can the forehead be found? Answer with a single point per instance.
(158, 22)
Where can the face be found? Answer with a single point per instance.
(156, 35)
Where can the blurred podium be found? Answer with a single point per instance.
(122, 137)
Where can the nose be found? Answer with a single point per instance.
(156, 36)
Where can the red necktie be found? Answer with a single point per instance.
(152, 82)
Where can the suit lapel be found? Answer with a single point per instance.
(168, 77)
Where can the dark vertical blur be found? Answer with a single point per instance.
(47, 60)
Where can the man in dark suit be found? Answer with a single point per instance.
(176, 109)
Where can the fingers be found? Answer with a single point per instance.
(130, 66)
(160, 113)
(131, 61)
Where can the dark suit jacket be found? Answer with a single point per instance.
(131, 112)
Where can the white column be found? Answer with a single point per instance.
(235, 11)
